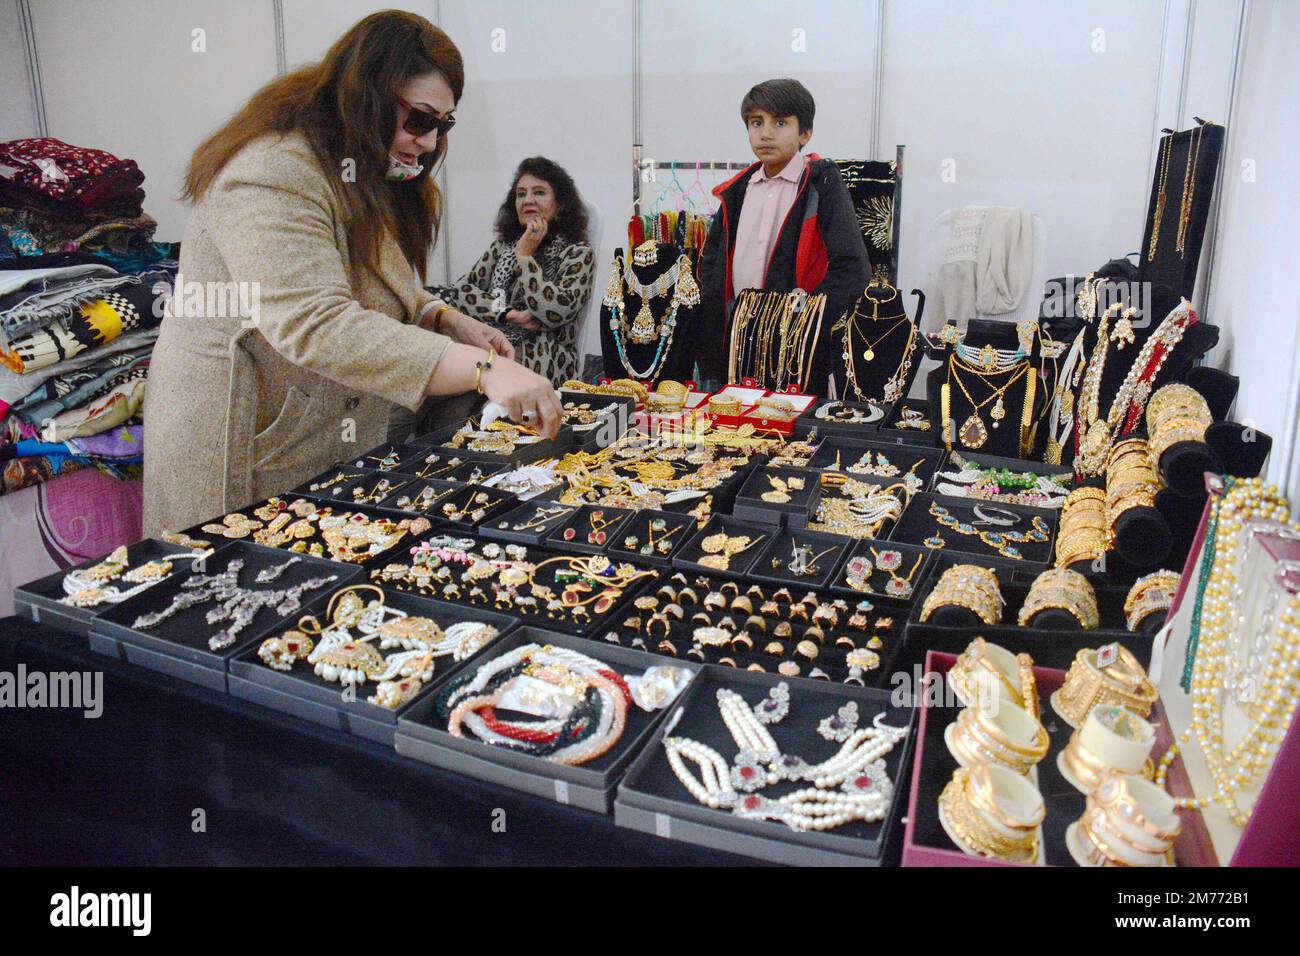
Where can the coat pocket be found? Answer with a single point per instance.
(273, 447)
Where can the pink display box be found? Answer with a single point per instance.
(1193, 847)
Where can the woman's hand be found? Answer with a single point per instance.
(461, 328)
(527, 398)
(520, 317)
(533, 235)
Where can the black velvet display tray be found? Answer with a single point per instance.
(917, 524)
(502, 527)
(677, 532)
(651, 785)
(688, 557)
(42, 600)
(750, 506)
(879, 579)
(184, 636)
(305, 688)
(459, 496)
(890, 430)
(387, 456)
(772, 565)
(587, 622)
(422, 731)
(576, 533)
(994, 461)
(634, 624)
(808, 421)
(849, 453)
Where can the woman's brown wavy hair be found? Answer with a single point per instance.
(346, 107)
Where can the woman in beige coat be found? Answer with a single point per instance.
(297, 320)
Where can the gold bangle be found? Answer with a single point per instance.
(1064, 590)
(1123, 682)
(479, 369)
(775, 648)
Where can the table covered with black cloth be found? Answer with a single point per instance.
(122, 789)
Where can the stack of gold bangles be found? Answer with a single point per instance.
(1149, 594)
(668, 397)
(988, 665)
(724, 406)
(1131, 480)
(1089, 683)
(1064, 590)
(1126, 822)
(1176, 413)
(970, 586)
(1083, 534)
(993, 812)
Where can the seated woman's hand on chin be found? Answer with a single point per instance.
(461, 328)
(524, 319)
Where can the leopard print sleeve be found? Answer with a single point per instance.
(557, 302)
(472, 295)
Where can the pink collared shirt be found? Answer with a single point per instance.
(767, 202)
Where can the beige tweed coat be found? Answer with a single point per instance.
(242, 408)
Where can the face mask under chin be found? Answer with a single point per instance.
(399, 171)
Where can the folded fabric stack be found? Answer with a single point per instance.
(82, 291)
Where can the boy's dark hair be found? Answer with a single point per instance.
(783, 97)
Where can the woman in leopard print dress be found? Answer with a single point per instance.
(535, 279)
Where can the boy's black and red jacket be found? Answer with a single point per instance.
(819, 249)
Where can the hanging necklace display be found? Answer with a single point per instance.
(973, 433)
(865, 351)
(644, 330)
(1189, 191)
(774, 336)
(1159, 215)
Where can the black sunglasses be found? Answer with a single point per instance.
(418, 121)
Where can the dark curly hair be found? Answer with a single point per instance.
(570, 215)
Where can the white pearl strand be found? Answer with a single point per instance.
(812, 809)
(485, 672)
(715, 791)
(862, 749)
(744, 727)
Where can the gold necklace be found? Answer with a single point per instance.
(1189, 191)
(1158, 217)
(973, 434)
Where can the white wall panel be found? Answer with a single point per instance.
(16, 118)
(121, 75)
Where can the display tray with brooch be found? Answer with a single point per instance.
(1003, 480)
(910, 422)
(944, 523)
(545, 713)
(596, 420)
(883, 571)
(801, 558)
(70, 598)
(572, 593)
(861, 505)
(334, 484)
(791, 631)
(1050, 615)
(191, 624)
(590, 530)
(465, 507)
(724, 546)
(874, 459)
(337, 532)
(508, 442)
(450, 464)
(652, 537)
(363, 657)
(787, 771)
(836, 417)
(776, 495)
(1069, 763)
(385, 457)
(529, 523)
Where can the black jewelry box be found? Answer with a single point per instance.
(42, 600)
(468, 499)
(780, 548)
(300, 692)
(878, 580)
(994, 461)
(577, 532)
(918, 524)
(653, 800)
(179, 645)
(677, 532)
(850, 452)
(688, 558)
(951, 629)
(889, 429)
(750, 647)
(422, 734)
(502, 527)
(809, 422)
(751, 506)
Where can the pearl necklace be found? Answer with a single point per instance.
(1278, 695)
(744, 727)
(715, 791)
(812, 809)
